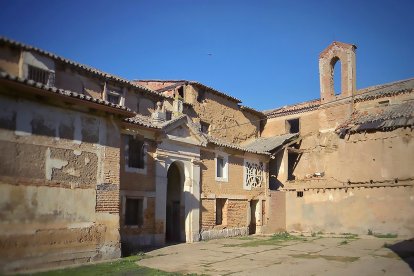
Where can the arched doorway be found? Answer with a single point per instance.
(175, 207)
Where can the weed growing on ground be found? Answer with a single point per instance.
(124, 266)
(343, 242)
(386, 236)
(370, 233)
(273, 240)
(326, 257)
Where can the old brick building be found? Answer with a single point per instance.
(93, 163)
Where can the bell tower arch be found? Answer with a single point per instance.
(328, 59)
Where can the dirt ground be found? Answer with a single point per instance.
(344, 254)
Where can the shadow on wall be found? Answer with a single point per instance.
(405, 250)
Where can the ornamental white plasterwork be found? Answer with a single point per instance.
(254, 174)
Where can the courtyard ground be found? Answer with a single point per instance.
(280, 254)
(285, 254)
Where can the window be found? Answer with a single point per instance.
(204, 127)
(253, 174)
(168, 115)
(292, 126)
(135, 153)
(384, 103)
(299, 194)
(113, 97)
(221, 167)
(40, 75)
(201, 96)
(181, 91)
(221, 211)
(134, 213)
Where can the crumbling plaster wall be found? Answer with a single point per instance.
(360, 158)
(226, 119)
(138, 185)
(238, 199)
(364, 174)
(59, 186)
(9, 60)
(138, 103)
(356, 210)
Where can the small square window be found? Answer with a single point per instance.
(113, 98)
(134, 213)
(299, 194)
(292, 126)
(204, 127)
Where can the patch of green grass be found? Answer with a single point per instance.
(343, 242)
(326, 257)
(386, 236)
(313, 234)
(273, 240)
(124, 266)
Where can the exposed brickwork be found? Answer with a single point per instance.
(237, 213)
(234, 186)
(208, 213)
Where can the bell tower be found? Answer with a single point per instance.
(345, 53)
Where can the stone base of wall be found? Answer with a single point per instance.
(134, 243)
(223, 233)
(54, 247)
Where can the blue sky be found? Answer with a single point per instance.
(262, 52)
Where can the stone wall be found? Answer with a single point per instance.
(59, 183)
(223, 115)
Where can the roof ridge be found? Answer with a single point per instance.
(88, 68)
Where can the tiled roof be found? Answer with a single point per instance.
(385, 90)
(267, 144)
(86, 68)
(292, 109)
(253, 111)
(225, 144)
(144, 121)
(369, 93)
(227, 96)
(385, 118)
(64, 93)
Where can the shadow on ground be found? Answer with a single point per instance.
(405, 250)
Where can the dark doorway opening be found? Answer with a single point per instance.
(292, 161)
(175, 217)
(253, 219)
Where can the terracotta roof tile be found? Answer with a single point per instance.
(384, 119)
(266, 144)
(62, 92)
(12, 43)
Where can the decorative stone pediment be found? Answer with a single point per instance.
(183, 130)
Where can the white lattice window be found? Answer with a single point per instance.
(253, 174)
